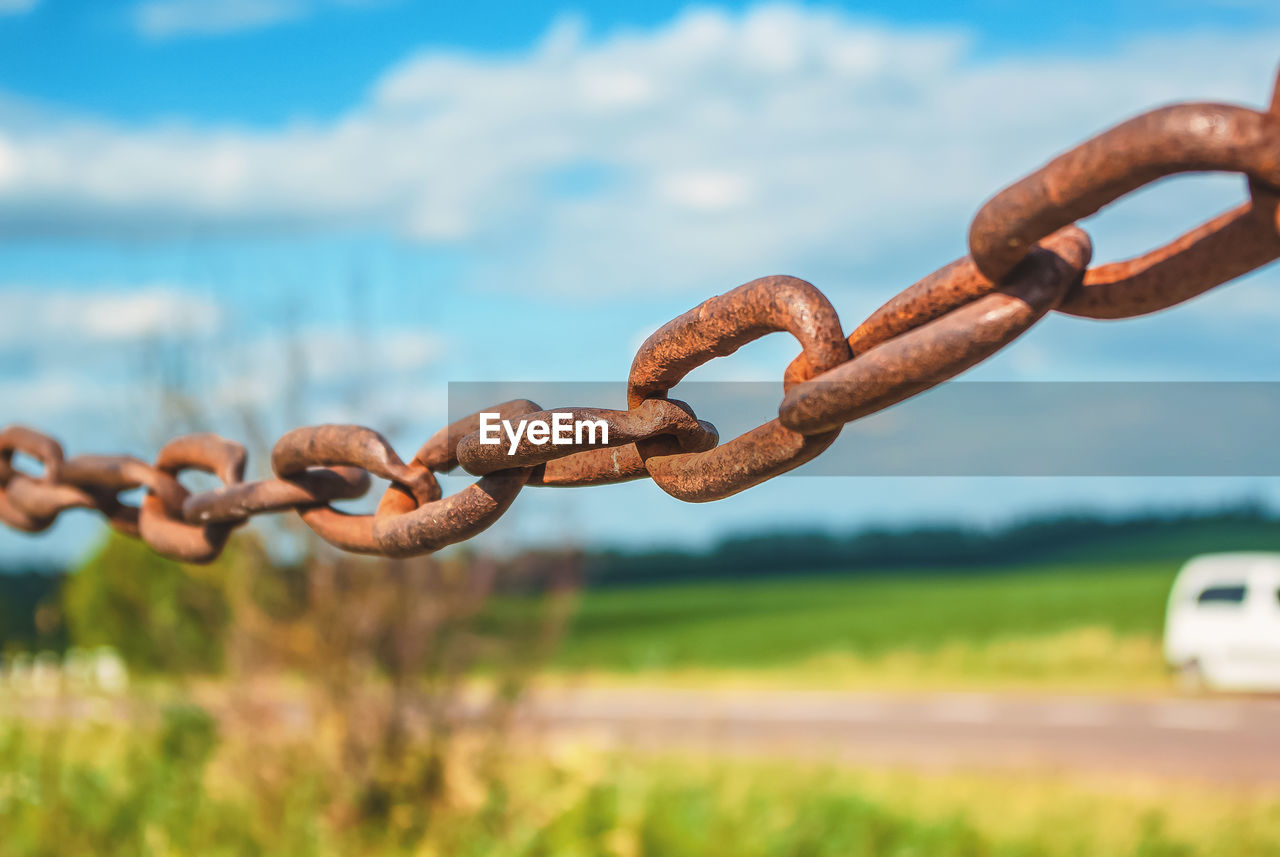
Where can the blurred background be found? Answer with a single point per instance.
(244, 216)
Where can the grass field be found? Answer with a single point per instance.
(189, 785)
(187, 788)
(1069, 625)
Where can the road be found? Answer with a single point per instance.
(1234, 739)
(1228, 739)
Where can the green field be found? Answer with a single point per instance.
(1086, 624)
(191, 788)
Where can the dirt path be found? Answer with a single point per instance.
(1220, 739)
(1235, 739)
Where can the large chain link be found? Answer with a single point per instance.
(1027, 257)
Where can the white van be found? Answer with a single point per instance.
(1222, 629)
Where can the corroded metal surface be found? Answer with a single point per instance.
(649, 418)
(406, 524)
(27, 503)
(353, 446)
(1027, 257)
(1229, 246)
(167, 529)
(240, 502)
(41, 447)
(719, 327)
(1076, 184)
(934, 338)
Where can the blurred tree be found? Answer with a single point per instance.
(160, 615)
(30, 618)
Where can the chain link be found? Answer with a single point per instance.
(1026, 257)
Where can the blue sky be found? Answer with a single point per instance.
(262, 61)
(246, 214)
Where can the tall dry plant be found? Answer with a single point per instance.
(404, 677)
(383, 669)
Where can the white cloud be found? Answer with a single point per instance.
(406, 351)
(44, 395)
(327, 353)
(705, 190)
(8, 166)
(105, 316)
(17, 7)
(170, 19)
(94, 351)
(166, 19)
(324, 363)
(117, 359)
(734, 144)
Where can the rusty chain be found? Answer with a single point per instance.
(1026, 257)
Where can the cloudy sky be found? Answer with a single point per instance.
(249, 214)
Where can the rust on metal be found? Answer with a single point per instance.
(650, 418)
(167, 530)
(1229, 246)
(406, 525)
(240, 502)
(755, 456)
(104, 477)
(721, 325)
(941, 346)
(205, 452)
(945, 290)
(116, 473)
(597, 467)
(352, 446)
(39, 446)
(32, 505)
(716, 328)
(1226, 247)
(608, 466)
(1177, 139)
(442, 447)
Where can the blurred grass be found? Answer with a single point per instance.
(1067, 625)
(183, 788)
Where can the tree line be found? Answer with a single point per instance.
(104, 596)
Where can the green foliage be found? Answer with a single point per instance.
(130, 792)
(765, 623)
(956, 549)
(99, 794)
(25, 598)
(683, 818)
(161, 616)
(188, 736)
